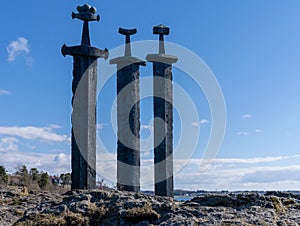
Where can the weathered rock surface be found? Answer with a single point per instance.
(100, 207)
(15, 201)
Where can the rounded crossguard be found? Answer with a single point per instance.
(85, 13)
(128, 33)
(161, 30)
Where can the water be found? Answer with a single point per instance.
(183, 198)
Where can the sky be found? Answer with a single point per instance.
(251, 47)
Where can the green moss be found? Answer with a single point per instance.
(138, 214)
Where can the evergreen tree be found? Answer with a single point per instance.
(24, 175)
(3, 175)
(44, 180)
(21, 177)
(65, 179)
(34, 174)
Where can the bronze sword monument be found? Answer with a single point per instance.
(128, 112)
(163, 108)
(84, 88)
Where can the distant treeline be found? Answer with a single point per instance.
(35, 180)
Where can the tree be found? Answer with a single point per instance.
(3, 175)
(44, 180)
(23, 174)
(65, 179)
(34, 174)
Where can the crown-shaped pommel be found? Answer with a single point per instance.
(86, 13)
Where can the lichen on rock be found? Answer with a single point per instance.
(104, 207)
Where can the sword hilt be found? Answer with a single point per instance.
(127, 33)
(86, 13)
(161, 30)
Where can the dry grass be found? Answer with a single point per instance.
(93, 217)
(43, 220)
(288, 202)
(97, 214)
(279, 208)
(138, 214)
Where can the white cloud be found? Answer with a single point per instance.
(244, 133)
(257, 131)
(202, 121)
(62, 160)
(52, 163)
(147, 127)
(245, 116)
(8, 144)
(34, 133)
(252, 178)
(4, 92)
(54, 126)
(255, 160)
(272, 174)
(100, 126)
(222, 175)
(16, 48)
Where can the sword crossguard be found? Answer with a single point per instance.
(87, 51)
(162, 57)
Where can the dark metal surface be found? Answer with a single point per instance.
(127, 33)
(161, 29)
(84, 87)
(163, 108)
(124, 31)
(86, 13)
(128, 168)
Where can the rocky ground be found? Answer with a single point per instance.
(99, 207)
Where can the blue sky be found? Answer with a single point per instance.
(252, 47)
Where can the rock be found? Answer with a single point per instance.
(236, 201)
(102, 207)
